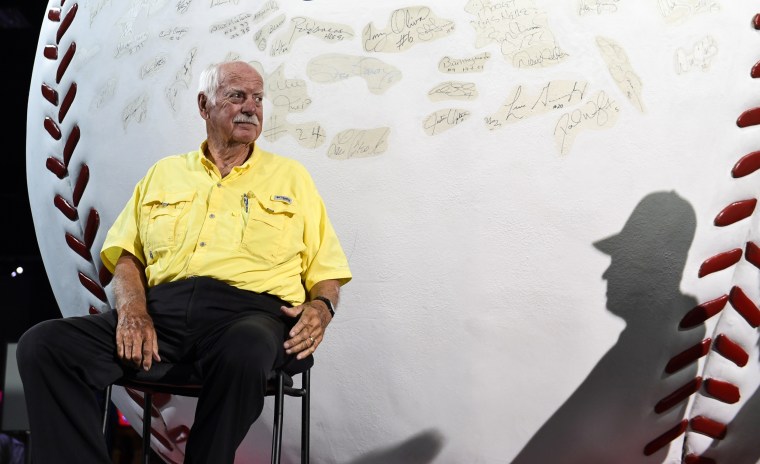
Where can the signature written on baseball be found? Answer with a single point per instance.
(680, 10)
(334, 67)
(599, 112)
(289, 96)
(464, 65)
(268, 8)
(233, 27)
(453, 90)
(519, 28)
(522, 104)
(406, 28)
(700, 56)
(359, 143)
(262, 35)
(302, 26)
(621, 70)
(443, 120)
(597, 6)
(308, 135)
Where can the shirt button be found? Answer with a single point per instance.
(203, 244)
(212, 215)
(218, 184)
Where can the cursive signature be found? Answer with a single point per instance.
(599, 112)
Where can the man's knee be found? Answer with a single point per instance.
(250, 345)
(37, 342)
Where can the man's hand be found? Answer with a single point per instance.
(309, 331)
(136, 341)
(310, 328)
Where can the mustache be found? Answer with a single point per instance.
(247, 119)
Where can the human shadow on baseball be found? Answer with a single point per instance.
(610, 417)
(421, 448)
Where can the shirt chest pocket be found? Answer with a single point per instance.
(271, 227)
(160, 225)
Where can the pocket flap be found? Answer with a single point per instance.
(276, 204)
(168, 198)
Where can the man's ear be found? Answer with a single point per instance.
(203, 105)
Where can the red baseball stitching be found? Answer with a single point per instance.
(688, 356)
(60, 167)
(720, 390)
(666, 437)
(731, 350)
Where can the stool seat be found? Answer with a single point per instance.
(183, 379)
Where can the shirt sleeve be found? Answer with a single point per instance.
(323, 258)
(124, 234)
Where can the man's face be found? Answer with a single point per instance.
(238, 114)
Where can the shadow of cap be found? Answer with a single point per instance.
(661, 221)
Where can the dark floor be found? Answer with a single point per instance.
(125, 444)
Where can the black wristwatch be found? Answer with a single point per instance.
(327, 302)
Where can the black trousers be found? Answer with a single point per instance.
(234, 337)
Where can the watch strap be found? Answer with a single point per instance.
(327, 302)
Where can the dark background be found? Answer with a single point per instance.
(26, 298)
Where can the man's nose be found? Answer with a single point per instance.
(249, 105)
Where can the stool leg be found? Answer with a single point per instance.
(305, 408)
(277, 423)
(28, 448)
(147, 406)
(107, 410)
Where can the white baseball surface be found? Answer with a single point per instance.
(474, 157)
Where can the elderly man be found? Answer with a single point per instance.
(223, 257)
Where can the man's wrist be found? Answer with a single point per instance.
(327, 303)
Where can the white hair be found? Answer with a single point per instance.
(209, 82)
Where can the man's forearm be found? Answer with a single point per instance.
(329, 289)
(136, 341)
(129, 284)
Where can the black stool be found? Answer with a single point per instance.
(182, 379)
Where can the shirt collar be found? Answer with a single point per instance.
(211, 167)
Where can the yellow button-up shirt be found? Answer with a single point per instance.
(263, 227)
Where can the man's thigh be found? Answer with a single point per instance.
(255, 338)
(83, 343)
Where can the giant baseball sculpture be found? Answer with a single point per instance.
(526, 289)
